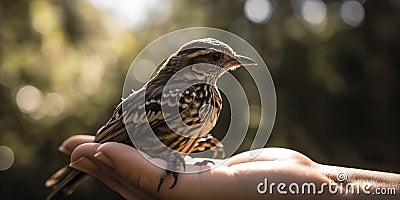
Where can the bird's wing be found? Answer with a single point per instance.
(158, 109)
(136, 114)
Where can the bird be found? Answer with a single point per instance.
(171, 115)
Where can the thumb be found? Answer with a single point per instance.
(132, 165)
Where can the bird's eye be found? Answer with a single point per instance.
(215, 57)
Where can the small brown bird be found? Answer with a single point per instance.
(185, 82)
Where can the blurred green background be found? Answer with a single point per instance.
(335, 64)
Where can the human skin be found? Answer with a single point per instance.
(125, 170)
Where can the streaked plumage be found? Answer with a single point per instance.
(186, 82)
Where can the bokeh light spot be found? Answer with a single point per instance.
(134, 14)
(53, 104)
(352, 12)
(313, 11)
(258, 11)
(6, 157)
(28, 99)
(44, 17)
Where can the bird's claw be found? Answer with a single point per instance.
(174, 163)
(204, 163)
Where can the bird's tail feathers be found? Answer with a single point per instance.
(64, 182)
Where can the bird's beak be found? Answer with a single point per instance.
(245, 60)
(239, 61)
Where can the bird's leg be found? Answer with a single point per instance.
(174, 163)
(209, 142)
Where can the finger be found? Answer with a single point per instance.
(72, 142)
(108, 176)
(84, 150)
(118, 183)
(82, 158)
(138, 171)
(130, 165)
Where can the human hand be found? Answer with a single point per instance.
(126, 171)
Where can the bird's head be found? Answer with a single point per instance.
(209, 58)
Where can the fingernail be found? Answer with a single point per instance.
(104, 159)
(85, 165)
(63, 150)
